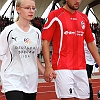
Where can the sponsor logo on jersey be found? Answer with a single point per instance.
(78, 33)
(27, 40)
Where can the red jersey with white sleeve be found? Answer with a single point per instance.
(67, 32)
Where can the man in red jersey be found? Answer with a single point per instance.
(67, 28)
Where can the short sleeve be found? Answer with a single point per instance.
(49, 27)
(88, 32)
(3, 43)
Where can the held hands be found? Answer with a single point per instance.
(49, 74)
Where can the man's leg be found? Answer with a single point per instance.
(89, 69)
(91, 91)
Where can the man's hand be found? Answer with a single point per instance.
(49, 74)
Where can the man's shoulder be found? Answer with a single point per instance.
(81, 13)
(57, 12)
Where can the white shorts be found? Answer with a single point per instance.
(72, 83)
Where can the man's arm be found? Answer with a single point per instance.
(49, 72)
(94, 51)
(46, 53)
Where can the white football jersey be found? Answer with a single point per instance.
(19, 50)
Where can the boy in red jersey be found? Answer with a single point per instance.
(67, 28)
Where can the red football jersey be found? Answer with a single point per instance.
(67, 32)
